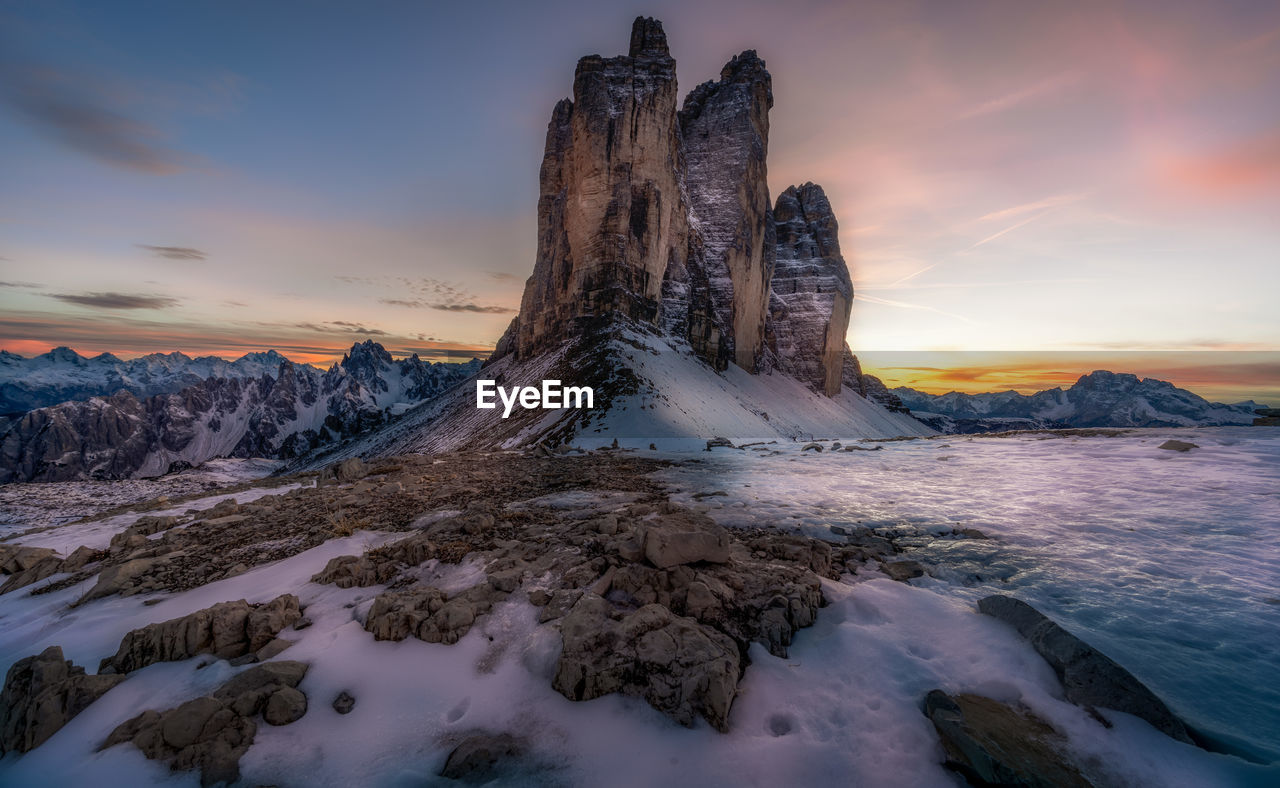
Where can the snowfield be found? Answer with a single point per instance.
(1165, 561)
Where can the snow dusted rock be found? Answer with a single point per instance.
(682, 669)
(811, 290)
(226, 630)
(1089, 678)
(990, 743)
(1178, 446)
(611, 215)
(43, 693)
(724, 128)
(211, 733)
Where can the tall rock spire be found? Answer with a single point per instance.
(724, 127)
(811, 290)
(611, 215)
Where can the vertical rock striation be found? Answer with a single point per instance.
(611, 215)
(665, 218)
(724, 128)
(812, 291)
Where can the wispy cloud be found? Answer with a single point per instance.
(116, 300)
(71, 109)
(1007, 230)
(502, 276)
(904, 305)
(23, 285)
(1038, 205)
(1009, 100)
(175, 252)
(454, 306)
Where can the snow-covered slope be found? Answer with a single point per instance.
(648, 388)
(294, 411)
(62, 375)
(1099, 399)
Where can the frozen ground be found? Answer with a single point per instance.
(37, 505)
(1165, 561)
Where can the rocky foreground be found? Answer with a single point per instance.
(646, 599)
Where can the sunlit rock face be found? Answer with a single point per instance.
(811, 290)
(665, 218)
(611, 215)
(724, 128)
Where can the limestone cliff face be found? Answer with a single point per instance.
(664, 217)
(611, 215)
(724, 128)
(812, 291)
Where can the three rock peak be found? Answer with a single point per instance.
(662, 215)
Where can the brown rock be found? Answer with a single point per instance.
(682, 669)
(226, 630)
(43, 693)
(992, 744)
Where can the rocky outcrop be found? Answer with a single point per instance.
(26, 565)
(41, 694)
(992, 744)
(225, 630)
(1089, 678)
(811, 290)
(429, 614)
(724, 128)
(681, 669)
(611, 215)
(211, 733)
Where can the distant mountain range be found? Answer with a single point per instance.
(1099, 399)
(246, 408)
(63, 374)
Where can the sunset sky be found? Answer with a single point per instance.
(1009, 176)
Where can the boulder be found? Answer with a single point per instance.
(478, 758)
(1176, 445)
(992, 744)
(1089, 678)
(682, 669)
(902, 571)
(683, 537)
(284, 706)
(41, 694)
(344, 703)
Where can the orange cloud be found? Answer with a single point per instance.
(1242, 169)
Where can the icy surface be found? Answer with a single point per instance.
(42, 504)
